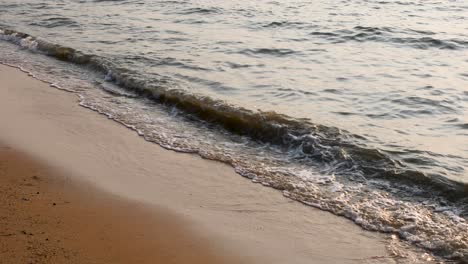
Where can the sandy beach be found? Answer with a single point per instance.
(48, 219)
(77, 187)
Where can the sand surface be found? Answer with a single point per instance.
(234, 217)
(45, 218)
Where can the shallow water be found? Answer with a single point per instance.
(369, 97)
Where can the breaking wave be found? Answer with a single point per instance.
(374, 188)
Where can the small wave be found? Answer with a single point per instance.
(99, 1)
(417, 206)
(376, 30)
(397, 3)
(333, 91)
(431, 106)
(217, 86)
(165, 61)
(428, 42)
(387, 35)
(199, 10)
(9, 5)
(234, 65)
(281, 24)
(55, 22)
(268, 51)
(327, 34)
(422, 32)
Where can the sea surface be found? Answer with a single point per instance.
(356, 107)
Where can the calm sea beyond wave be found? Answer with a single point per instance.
(356, 107)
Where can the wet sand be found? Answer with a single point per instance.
(126, 197)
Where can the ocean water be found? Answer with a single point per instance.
(354, 107)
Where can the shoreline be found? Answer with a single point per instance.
(244, 220)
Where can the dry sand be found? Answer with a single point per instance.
(98, 160)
